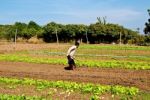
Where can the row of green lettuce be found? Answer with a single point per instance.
(87, 63)
(115, 47)
(91, 88)
(19, 97)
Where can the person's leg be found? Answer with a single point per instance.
(74, 65)
(71, 63)
(71, 67)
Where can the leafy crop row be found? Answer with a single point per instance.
(115, 64)
(88, 63)
(19, 97)
(73, 86)
(114, 47)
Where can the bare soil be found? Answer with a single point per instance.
(125, 77)
(11, 47)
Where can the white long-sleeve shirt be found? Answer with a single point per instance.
(71, 51)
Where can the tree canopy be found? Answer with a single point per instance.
(147, 25)
(99, 32)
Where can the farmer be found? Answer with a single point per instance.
(70, 56)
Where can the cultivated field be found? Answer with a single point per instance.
(104, 72)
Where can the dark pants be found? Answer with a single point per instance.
(71, 62)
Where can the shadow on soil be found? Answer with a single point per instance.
(68, 68)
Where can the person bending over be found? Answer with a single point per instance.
(70, 56)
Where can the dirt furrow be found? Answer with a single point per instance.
(125, 77)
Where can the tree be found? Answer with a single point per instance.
(147, 25)
(20, 27)
(10, 30)
(102, 21)
(3, 31)
(100, 32)
(33, 29)
(49, 34)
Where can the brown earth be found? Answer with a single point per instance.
(11, 47)
(125, 77)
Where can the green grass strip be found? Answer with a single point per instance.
(88, 63)
(19, 97)
(115, 47)
(74, 86)
(115, 64)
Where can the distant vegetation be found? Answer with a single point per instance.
(99, 32)
(147, 25)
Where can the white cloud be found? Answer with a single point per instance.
(123, 14)
(114, 15)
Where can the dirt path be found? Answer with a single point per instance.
(137, 78)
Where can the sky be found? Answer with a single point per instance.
(131, 14)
